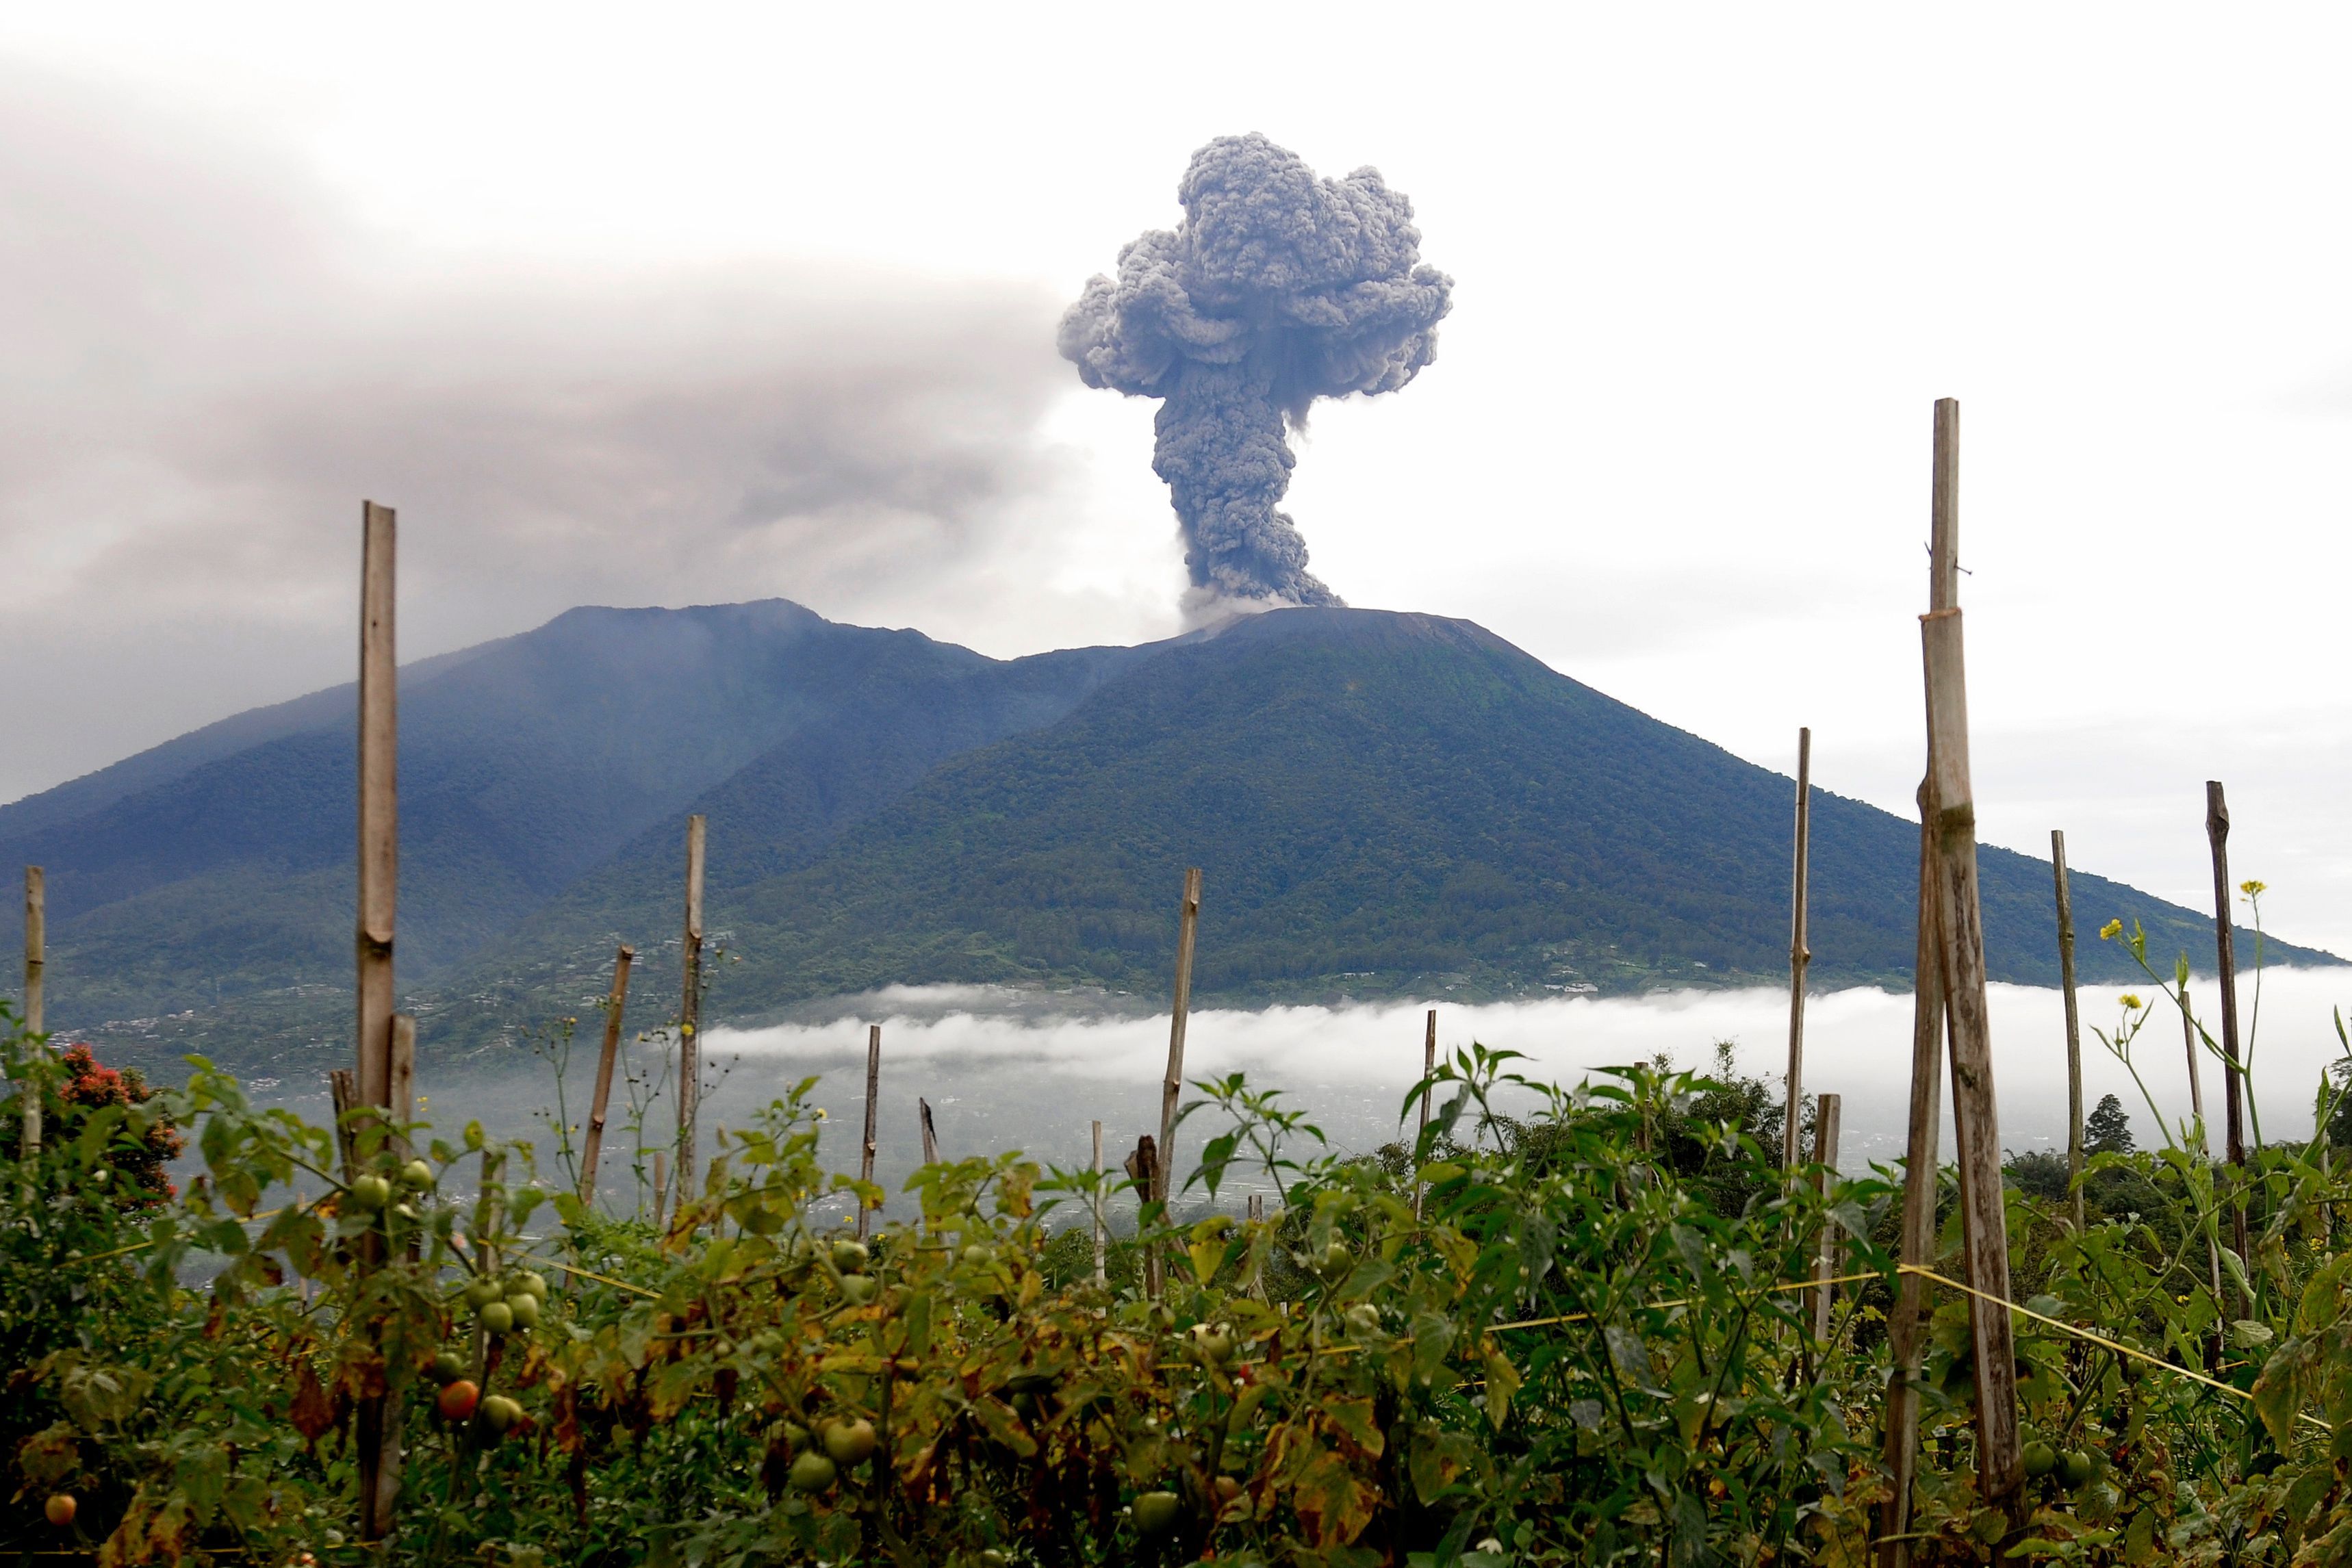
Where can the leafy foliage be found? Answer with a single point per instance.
(1557, 1329)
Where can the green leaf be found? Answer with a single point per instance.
(1357, 1419)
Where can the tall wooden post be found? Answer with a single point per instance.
(1833, 1247)
(379, 883)
(401, 1102)
(379, 805)
(2233, 1069)
(689, 1014)
(36, 963)
(931, 1133)
(1906, 1341)
(1798, 954)
(2225, 944)
(1975, 1114)
(1428, 1068)
(1171, 1087)
(1097, 1205)
(616, 1003)
(2074, 1025)
(872, 1092)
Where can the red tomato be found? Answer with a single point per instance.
(457, 1399)
(60, 1509)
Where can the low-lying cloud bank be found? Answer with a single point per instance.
(1008, 1056)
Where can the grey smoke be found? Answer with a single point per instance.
(1278, 288)
(210, 360)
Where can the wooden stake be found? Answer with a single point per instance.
(1097, 1205)
(379, 886)
(1428, 1068)
(616, 1003)
(1930, 1025)
(1798, 954)
(689, 1013)
(1921, 1170)
(661, 1185)
(872, 1090)
(2233, 1069)
(931, 1133)
(2225, 943)
(1171, 1087)
(343, 1089)
(1833, 1247)
(2196, 1078)
(1974, 1114)
(402, 1101)
(2074, 1025)
(1143, 1170)
(37, 928)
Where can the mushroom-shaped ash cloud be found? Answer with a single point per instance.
(1278, 288)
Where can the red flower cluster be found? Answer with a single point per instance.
(91, 1086)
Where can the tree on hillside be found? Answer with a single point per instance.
(2107, 1130)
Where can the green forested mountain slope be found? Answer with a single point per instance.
(1380, 804)
(1383, 804)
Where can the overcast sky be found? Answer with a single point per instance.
(668, 305)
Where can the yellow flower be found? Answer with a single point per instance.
(2253, 889)
(2131, 1004)
(2111, 930)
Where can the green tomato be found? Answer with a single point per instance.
(859, 1288)
(524, 1309)
(498, 1318)
(1156, 1513)
(370, 1192)
(500, 1413)
(850, 1442)
(482, 1292)
(2078, 1468)
(979, 1256)
(448, 1367)
(416, 1176)
(849, 1257)
(812, 1472)
(1213, 1345)
(1364, 1318)
(1336, 1264)
(529, 1284)
(2041, 1458)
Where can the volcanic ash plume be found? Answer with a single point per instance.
(1278, 288)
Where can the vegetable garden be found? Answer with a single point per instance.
(1582, 1350)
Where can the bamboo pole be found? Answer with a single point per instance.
(1921, 1172)
(616, 1003)
(36, 964)
(873, 1090)
(2074, 1025)
(378, 1432)
(1171, 1087)
(1428, 1069)
(1831, 1247)
(1974, 1113)
(931, 1133)
(689, 1013)
(1798, 954)
(1097, 1205)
